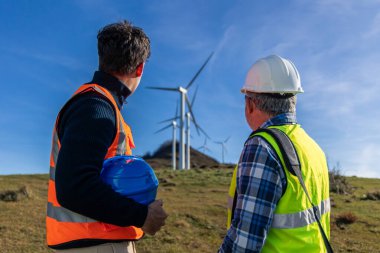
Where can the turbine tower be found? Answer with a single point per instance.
(224, 149)
(184, 99)
(174, 145)
(188, 119)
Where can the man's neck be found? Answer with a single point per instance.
(260, 118)
(123, 78)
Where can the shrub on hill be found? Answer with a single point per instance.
(338, 182)
(12, 195)
(345, 219)
(374, 195)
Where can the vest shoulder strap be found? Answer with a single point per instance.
(293, 165)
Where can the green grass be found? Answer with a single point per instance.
(195, 201)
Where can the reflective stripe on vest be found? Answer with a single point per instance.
(300, 219)
(62, 214)
(292, 220)
(63, 225)
(293, 217)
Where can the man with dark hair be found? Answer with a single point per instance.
(84, 214)
(268, 208)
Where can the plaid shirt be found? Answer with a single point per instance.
(260, 184)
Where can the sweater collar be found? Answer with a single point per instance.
(118, 90)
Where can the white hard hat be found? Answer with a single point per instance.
(273, 74)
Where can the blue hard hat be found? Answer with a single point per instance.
(131, 176)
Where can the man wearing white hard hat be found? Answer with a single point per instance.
(279, 194)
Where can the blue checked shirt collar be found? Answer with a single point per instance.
(281, 119)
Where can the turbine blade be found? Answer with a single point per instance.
(192, 114)
(167, 120)
(176, 110)
(199, 71)
(227, 139)
(195, 95)
(162, 129)
(161, 88)
(204, 149)
(204, 132)
(201, 129)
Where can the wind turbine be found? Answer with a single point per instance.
(224, 149)
(184, 99)
(174, 144)
(187, 130)
(204, 147)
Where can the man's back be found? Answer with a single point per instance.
(293, 217)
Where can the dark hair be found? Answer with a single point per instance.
(122, 47)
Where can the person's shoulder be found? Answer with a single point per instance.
(259, 146)
(257, 140)
(89, 106)
(90, 101)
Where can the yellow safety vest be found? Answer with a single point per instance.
(294, 227)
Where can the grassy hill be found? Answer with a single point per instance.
(195, 201)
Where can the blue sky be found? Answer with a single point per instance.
(48, 48)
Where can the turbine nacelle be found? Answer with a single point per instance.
(182, 90)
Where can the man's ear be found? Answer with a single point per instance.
(139, 69)
(250, 105)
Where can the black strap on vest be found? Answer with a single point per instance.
(293, 165)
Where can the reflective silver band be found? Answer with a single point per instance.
(54, 153)
(64, 215)
(300, 219)
(121, 146)
(99, 90)
(52, 173)
(55, 148)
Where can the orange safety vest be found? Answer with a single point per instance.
(63, 225)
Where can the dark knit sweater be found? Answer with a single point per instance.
(86, 129)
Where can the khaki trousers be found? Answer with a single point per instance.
(120, 247)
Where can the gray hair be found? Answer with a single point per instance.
(274, 104)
